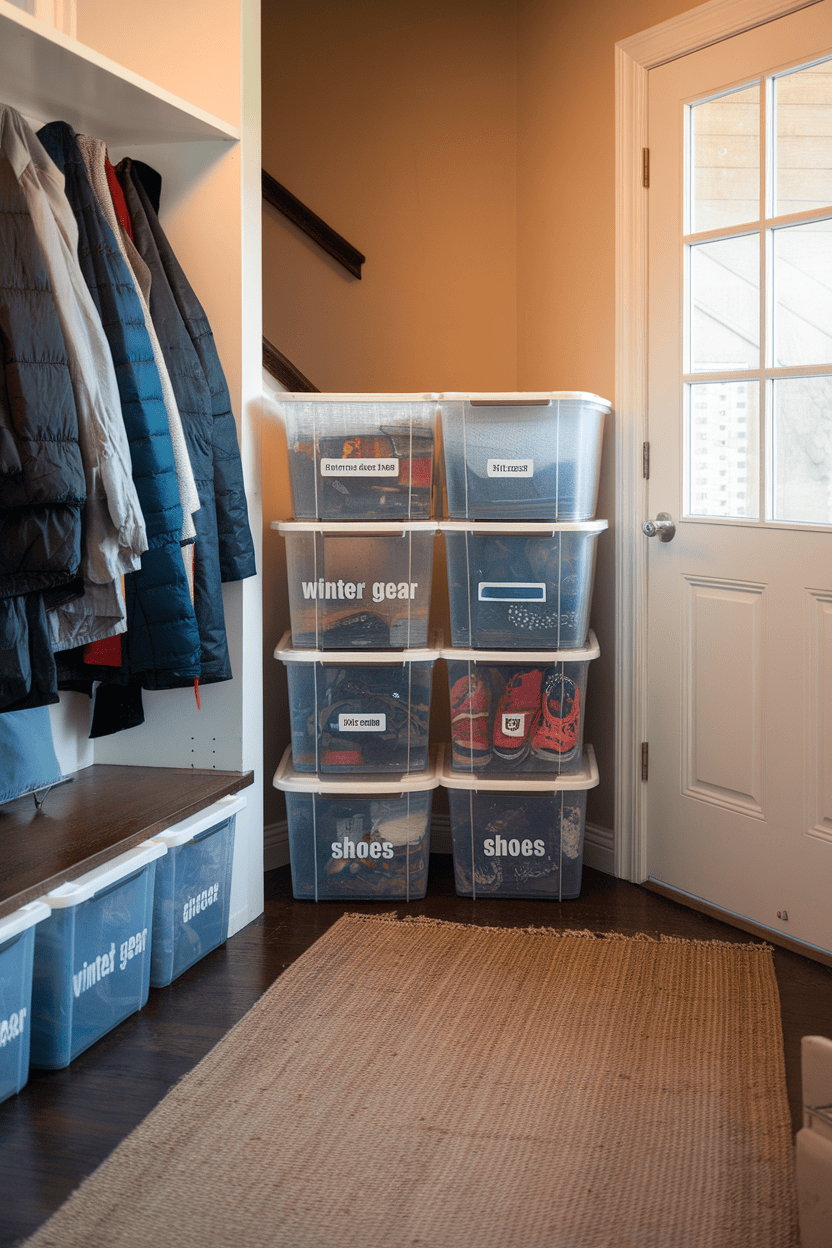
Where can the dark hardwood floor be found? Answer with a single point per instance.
(63, 1123)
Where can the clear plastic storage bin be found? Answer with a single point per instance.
(361, 457)
(17, 947)
(354, 712)
(521, 712)
(358, 586)
(92, 956)
(192, 894)
(366, 840)
(519, 838)
(525, 586)
(522, 456)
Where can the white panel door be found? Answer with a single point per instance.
(739, 795)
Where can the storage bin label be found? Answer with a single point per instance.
(105, 963)
(321, 590)
(500, 847)
(510, 467)
(361, 849)
(514, 725)
(359, 467)
(512, 591)
(362, 723)
(11, 1028)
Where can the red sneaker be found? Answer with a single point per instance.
(469, 721)
(557, 724)
(515, 712)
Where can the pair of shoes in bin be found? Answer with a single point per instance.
(539, 712)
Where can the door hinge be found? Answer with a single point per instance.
(644, 760)
(645, 460)
(645, 166)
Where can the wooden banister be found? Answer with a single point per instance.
(284, 371)
(312, 225)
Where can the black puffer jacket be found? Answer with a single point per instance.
(42, 485)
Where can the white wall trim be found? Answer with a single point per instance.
(698, 28)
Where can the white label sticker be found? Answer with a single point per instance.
(511, 591)
(510, 467)
(514, 725)
(359, 467)
(362, 723)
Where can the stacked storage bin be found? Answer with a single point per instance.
(359, 774)
(522, 475)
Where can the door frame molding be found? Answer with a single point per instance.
(634, 57)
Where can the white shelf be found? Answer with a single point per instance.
(49, 76)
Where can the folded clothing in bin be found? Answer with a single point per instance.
(360, 457)
(17, 947)
(366, 838)
(192, 894)
(518, 711)
(358, 712)
(519, 838)
(92, 956)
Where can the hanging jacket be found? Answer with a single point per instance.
(236, 548)
(161, 648)
(113, 527)
(94, 153)
(42, 485)
(196, 406)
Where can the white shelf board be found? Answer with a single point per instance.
(49, 76)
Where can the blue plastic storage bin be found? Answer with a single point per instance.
(519, 838)
(360, 456)
(518, 711)
(92, 956)
(192, 893)
(522, 456)
(17, 947)
(362, 839)
(355, 712)
(521, 586)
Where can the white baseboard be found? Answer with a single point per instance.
(598, 844)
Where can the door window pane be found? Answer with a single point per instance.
(725, 293)
(725, 160)
(723, 460)
(803, 129)
(801, 449)
(803, 294)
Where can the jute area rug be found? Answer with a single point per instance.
(413, 1082)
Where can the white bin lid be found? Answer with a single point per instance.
(187, 829)
(509, 528)
(18, 921)
(75, 891)
(530, 398)
(332, 397)
(291, 781)
(590, 651)
(338, 658)
(586, 778)
(358, 528)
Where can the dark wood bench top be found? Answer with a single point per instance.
(103, 811)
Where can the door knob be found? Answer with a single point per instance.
(662, 526)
